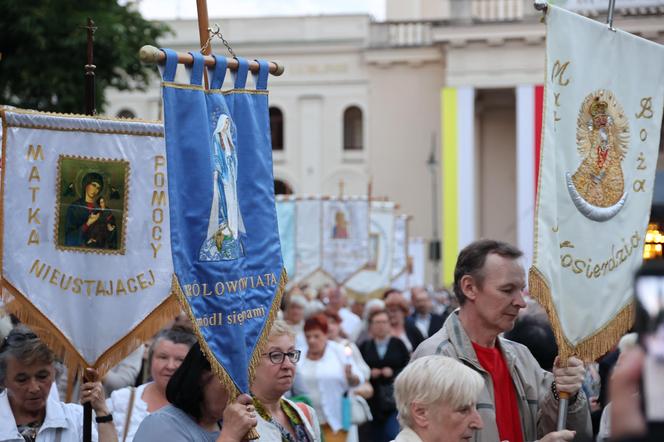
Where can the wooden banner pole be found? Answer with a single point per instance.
(204, 34)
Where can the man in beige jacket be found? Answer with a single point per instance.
(519, 401)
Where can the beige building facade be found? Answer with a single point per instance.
(360, 102)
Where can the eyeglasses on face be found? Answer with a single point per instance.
(277, 357)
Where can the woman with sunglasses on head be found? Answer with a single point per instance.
(278, 418)
(27, 412)
(199, 409)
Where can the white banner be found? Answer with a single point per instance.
(400, 249)
(377, 274)
(85, 228)
(308, 242)
(603, 111)
(345, 237)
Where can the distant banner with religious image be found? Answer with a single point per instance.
(85, 232)
(603, 110)
(377, 274)
(345, 237)
(225, 239)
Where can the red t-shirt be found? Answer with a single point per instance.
(507, 410)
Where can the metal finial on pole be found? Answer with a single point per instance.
(540, 5)
(609, 20)
(90, 71)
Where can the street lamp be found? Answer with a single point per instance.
(434, 245)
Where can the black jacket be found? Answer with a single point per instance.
(396, 357)
(435, 322)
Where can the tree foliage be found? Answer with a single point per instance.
(43, 45)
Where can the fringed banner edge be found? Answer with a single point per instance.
(51, 335)
(593, 346)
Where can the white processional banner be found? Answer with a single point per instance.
(601, 130)
(345, 237)
(308, 242)
(376, 276)
(85, 232)
(286, 220)
(400, 248)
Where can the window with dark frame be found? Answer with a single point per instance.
(277, 128)
(353, 129)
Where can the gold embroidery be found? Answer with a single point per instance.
(602, 137)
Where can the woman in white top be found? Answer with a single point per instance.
(324, 375)
(130, 405)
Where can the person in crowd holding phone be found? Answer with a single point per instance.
(519, 401)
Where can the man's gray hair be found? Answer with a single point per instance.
(21, 343)
(432, 380)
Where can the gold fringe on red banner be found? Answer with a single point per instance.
(593, 346)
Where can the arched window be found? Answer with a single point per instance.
(126, 113)
(282, 188)
(353, 130)
(277, 128)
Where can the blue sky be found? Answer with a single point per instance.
(168, 9)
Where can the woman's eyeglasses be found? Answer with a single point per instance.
(277, 357)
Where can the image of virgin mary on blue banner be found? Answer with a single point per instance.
(229, 272)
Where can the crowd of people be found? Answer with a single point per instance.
(476, 364)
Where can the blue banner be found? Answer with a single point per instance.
(225, 243)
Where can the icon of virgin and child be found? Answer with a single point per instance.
(89, 223)
(225, 232)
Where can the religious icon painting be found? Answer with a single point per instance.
(597, 187)
(225, 232)
(91, 204)
(340, 229)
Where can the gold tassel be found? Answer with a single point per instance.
(591, 347)
(51, 335)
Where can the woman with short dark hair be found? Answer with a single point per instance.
(199, 404)
(27, 411)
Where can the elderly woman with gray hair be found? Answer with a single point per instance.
(27, 412)
(436, 398)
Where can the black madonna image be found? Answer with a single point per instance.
(91, 206)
